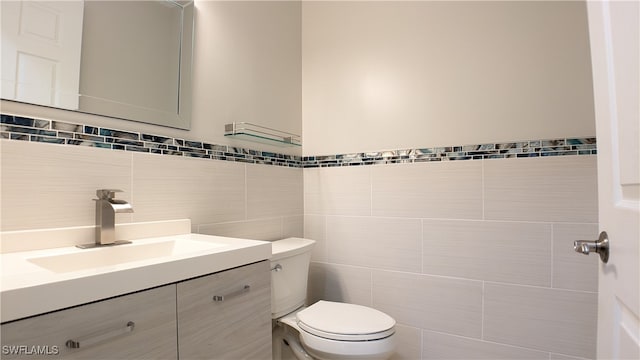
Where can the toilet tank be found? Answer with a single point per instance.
(289, 272)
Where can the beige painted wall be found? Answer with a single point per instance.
(247, 66)
(393, 75)
(369, 76)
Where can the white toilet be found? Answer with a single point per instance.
(325, 330)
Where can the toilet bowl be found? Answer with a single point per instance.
(332, 330)
(325, 330)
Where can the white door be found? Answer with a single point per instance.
(41, 45)
(615, 45)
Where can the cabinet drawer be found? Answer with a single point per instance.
(136, 326)
(234, 325)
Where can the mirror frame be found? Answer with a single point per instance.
(182, 118)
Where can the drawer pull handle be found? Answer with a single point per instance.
(221, 298)
(93, 339)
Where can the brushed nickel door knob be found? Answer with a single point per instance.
(600, 246)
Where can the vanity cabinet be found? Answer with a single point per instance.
(136, 326)
(226, 315)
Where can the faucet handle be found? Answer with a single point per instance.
(106, 194)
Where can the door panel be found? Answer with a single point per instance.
(614, 30)
(41, 42)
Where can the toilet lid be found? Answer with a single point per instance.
(340, 321)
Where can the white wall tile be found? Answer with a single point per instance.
(354, 248)
(554, 189)
(429, 302)
(572, 270)
(438, 346)
(409, 343)
(273, 191)
(339, 283)
(293, 226)
(315, 229)
(337, 191)
(554, 356)
(448, 189)
(488, 250)
(456, 241)
(383, 243)
(261, 229)
(205, 191)
(552, 320)
(50, 186)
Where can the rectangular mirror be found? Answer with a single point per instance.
(124, 59)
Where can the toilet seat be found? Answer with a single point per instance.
(345, 322)
(330, 330)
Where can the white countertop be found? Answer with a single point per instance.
(27, 289)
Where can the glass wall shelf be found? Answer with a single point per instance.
(261, 134)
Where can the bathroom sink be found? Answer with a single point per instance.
(46, 264)
(83, 259)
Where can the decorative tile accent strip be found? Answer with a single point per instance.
(57, 132)
(64, 133)
(520, 149)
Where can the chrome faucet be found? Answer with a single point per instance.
(107, 206)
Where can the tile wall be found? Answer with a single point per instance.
(474, 259)
(50, 186)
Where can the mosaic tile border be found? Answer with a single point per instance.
(65, 133)
(518, 149)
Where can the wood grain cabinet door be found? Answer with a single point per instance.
(226, 315)
(137, 326)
